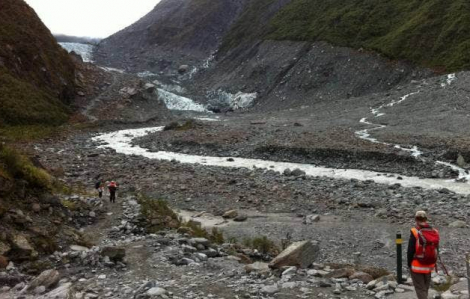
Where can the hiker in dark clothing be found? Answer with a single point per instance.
(99, 186)
(112, 191)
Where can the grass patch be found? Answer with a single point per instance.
(17, 166)
(158, 215)
(196, 230)
(445, 286)
(22, 103)
(263, 244)
(28, 132)
(72, 206)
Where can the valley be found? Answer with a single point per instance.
(229, 148)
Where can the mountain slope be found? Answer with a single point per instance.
(174, 33)
(431, 33)
(36, 74)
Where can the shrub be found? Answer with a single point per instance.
(18, 166)
(158, 215)
(262, 244)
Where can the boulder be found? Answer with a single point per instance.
(309, 219)
(199, 241)
(155, 291)
(62, 292)
(240, 218)
(48, 279)
(149, 87)
(232, 214)
(272, 289)
(301, 254)
(23, 248)
(36, 207)
(458, 224)
(78, 248)
(297, 172)
(114, 253)
(183, 69)
(257, 267)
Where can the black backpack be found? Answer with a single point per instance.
(97, 185)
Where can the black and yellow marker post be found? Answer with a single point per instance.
(399, 242)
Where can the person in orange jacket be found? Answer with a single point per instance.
(423, 248)
(112, 187)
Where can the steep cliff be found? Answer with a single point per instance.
(36, 74)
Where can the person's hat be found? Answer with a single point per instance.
(421, 215)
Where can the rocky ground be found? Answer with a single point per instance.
(351, 224)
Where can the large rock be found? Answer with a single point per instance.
(22, 248)
(62, 292)
(114, 253)
(48, 279)
(458, 224)
(301, 254)
(257, 267)
(183, 69)
(230, 214)
(149, 87)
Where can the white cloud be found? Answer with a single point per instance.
(94, 18)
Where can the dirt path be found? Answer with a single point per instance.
(97, 232)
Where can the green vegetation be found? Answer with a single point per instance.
(431, 33)
(27, 132)
(15, 166)
(22, 104)
(158, 215)
(196, 230)
(263, 245)
(37, 76)
(250, 26)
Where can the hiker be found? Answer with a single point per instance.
(112, 191)
(423, 250)
(99, 186)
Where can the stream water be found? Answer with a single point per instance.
(121, 142)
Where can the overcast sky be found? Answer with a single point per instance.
(94, 18)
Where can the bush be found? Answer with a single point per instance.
(157, 214)
(196, 230)
(263, 245)
(17, 166)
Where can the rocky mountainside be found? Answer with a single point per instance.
(36, 74)
(176, 31)
(303, 51)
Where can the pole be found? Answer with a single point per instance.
(399, 242)
(467, 262)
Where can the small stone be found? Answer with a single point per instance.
(272, 289)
